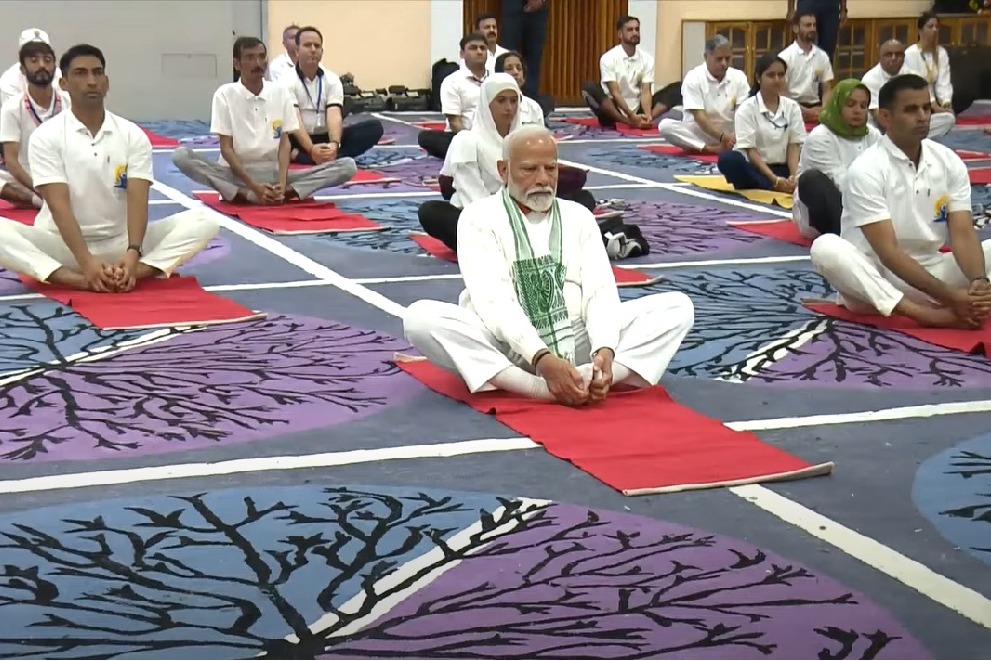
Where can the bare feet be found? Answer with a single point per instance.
(931, 316)
(66, 277)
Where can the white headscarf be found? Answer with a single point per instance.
(482, 143)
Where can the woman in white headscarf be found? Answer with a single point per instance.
(470, 169)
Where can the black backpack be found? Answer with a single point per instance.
(438, 72)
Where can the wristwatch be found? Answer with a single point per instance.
(136, 248)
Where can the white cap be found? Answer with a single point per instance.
(32, 34)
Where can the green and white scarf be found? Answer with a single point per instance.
(539, 282)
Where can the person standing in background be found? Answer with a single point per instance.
(830, 17)
(524, 30)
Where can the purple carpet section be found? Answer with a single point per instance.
(671, 228)
(230, 384)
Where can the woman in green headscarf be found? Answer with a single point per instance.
(842, 135)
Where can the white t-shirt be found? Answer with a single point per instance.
(530, 112)
(937, 73)
(875, 80)
(769, 133)
(280, 67)
(20, 116)
(313, 97)
(459, 95)
(806, 71)
(255, 122)
(96, 169)
(718, 98)
(13, 83)
(883, 184)
(628, 72)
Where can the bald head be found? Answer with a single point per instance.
(892, 57)
(529, 166)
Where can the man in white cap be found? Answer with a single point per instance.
(12, 81)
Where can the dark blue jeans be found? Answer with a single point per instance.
(525, 33)
(743, 175)
(827, 13)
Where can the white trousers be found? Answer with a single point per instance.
(688, 137)
(168, 243)
(866, 287)
(651, 329)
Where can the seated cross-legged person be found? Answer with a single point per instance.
(540, 315)
(843, 134)
(94, 171)
(809, 69)
(710, 93)
(891, 63)
(319, 96)
(769, 134)
(902, 199)
(458, 96)
(21, 115)
(623, 95)
(253, 119)
(931, 61)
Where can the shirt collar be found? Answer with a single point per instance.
(302, 76)
(78, 127)
(248, 94)
(899, 155)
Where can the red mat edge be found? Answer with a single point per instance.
(254, 316)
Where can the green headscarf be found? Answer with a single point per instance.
(832, 116)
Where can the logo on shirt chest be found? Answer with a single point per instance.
(120, 176)
(277, 129)
(941, 209)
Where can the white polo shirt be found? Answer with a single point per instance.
(937, 73)
(883, 184)
(460, 93)
(628, 72)
(280, 67)
(13, 83)
(875, 80)
(530, 112)
(95, 168)
(490, 60)
(769, 133)
(718, 98)
(806, 71)
(255, 122)
(313, 97)
(20, 116)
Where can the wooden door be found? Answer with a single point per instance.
(578, 33)
(738, 34)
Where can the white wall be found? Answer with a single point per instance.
(164, 58)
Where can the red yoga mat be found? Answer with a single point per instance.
(160, 141)
(436, 248)
(973, 120)
(638, 442)
(154, 303)
(623, 129)
(25, 215)
(678, 152)
(299, 217)
(432, 126)
(782, 230)
(370, 177)
(980, 176)
(968, 155)
(967, 341)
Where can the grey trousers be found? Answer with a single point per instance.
(220, 178)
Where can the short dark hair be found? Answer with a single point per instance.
(796, 20)
(500, 62)
(309, 28)
(242, 44)
(905, 81)
(33, 49)
(80, 50)
(925, 17)
(484, 17)
(623, 20)
(471, 37)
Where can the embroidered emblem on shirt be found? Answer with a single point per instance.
(941, 209)
(120, 176)
(277, 129)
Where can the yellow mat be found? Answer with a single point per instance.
(717, 182)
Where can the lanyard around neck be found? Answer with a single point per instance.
(306, 88)
(56, 107)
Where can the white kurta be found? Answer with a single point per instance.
(940, 123)
(488, 331)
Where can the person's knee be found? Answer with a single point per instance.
(827, 253)
(679, 306)
(729, 159)
(425, 140)
(419, 321)
(347, 166)
(373, 129)
(182, 156)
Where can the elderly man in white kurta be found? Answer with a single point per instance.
(710, 95)
(94, 171)
(540, 315)
(902, 199)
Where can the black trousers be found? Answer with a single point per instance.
(827, 13)
(435, 143)
(356, 139)
(525, 33)
(668, 96)
(823, 199)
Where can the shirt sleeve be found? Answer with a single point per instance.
(139, 155)
(958, 182)
(221, 122)
(648, 70)
(692, 94)
(468, 183)
(450, 100)
(796, 124)
(10, 123)
(864, 202)
(745, 123)
(290, 118)
(827, 70)
(485, 269)
(607, 68)
(871, 82)
(819, 153)
(741, 89)
(335, 90)
(600, 298)
(944, 82)
(45, 159)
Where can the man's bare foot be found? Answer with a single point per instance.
(66, 277)
(291, 194)
(712, 149)
(931, 316)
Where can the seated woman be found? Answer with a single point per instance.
(470, 170)
(531, 112)
(931, 61)
(842, 135)
(769, 134)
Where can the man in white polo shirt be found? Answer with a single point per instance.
(253, 119)
(623, 95)
(902, 199)
(809, 67)
(284, 65)
(488, 26)
(21, 115)
(891, 62)
(12, 82)
(319, 98)
(459, 94)
(710, 93)
(94, 171)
